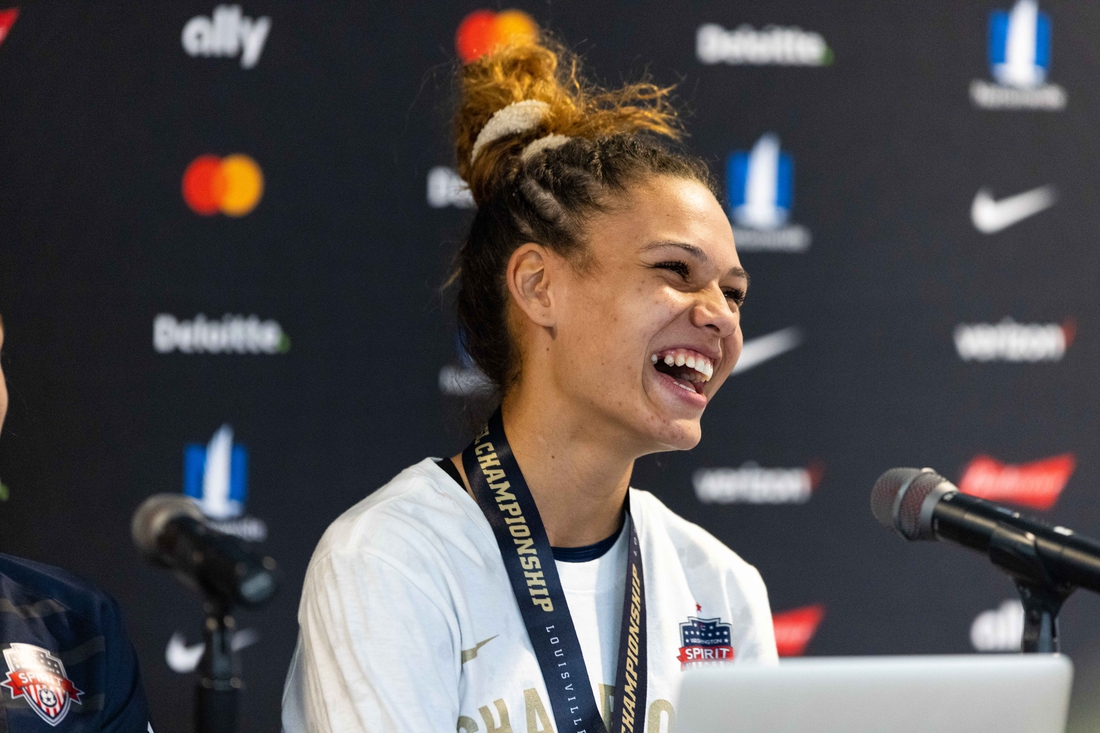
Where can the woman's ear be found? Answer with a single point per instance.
(529, 280)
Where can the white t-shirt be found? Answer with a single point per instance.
(408, 621)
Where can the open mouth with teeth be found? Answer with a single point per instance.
(688, 369)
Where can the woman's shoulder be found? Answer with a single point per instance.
(422, 507)
(695, 546)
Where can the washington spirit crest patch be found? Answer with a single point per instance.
(705, 641)
(39, 678)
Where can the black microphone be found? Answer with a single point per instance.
(169, 531)
(919, 504)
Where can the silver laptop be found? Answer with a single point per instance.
(1020, 693)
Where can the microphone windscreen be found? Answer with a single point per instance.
(885, 493)
(153, 514)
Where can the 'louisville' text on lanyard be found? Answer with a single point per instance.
(501, 492)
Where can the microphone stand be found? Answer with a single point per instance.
(1015, 552)
(219, 682)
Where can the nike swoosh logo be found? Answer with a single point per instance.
(468, 654)
(184, 658)
(762, 348)
(991, 216)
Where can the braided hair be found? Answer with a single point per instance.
(614, 142)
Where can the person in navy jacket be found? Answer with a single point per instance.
(66, 663)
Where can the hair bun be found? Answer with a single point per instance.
(543, 71)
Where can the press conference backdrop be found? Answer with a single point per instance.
(223, 229)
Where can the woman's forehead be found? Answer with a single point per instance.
(669, 210)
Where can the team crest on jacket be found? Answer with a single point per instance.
(39, 678)
(705, 641)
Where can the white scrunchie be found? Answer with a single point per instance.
(517, 117)
(549, 142)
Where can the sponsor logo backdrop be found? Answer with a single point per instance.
(223, 228)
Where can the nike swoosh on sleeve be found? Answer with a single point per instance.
(990, 216)
(468, 654)
(758, 350)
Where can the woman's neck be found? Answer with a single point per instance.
(577, 473)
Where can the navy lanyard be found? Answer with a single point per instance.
(501, 492)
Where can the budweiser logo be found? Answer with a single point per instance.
(795, 628)
(1037, 484)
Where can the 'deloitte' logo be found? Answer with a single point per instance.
(753, 484)
(1037, 484)
(1019, 61)
(446, 188)
(7, 20)
(232, 185)
(227, 33)
(233, 334)
(484, 30)
(795, 628)
(1014, 342)
(773, 45)
(761, 193)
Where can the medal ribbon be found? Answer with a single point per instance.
(502, 493)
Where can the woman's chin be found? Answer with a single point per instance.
(675, 433)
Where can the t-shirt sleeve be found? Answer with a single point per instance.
(125, 708)
(375, 652)
(759, 642)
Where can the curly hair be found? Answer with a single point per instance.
(613, 143)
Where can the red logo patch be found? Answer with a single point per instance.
(39, 678)
(705, 641)
(7, 20)
(1037, 484)
(794, 629)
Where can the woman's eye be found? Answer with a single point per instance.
(737, 296)
(680, 268)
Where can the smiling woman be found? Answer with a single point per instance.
(600, 290)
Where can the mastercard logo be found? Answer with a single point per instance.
(232, 185)
(484, 30)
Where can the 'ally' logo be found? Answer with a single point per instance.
(761, 193)
(215, 475)
(1019, 61)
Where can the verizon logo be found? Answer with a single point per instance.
(1036, 485)
(753, 484)
(795, 628)
(1014, 342)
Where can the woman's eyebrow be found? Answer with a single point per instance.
(691, 249)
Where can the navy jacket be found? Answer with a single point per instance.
(65, 661)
